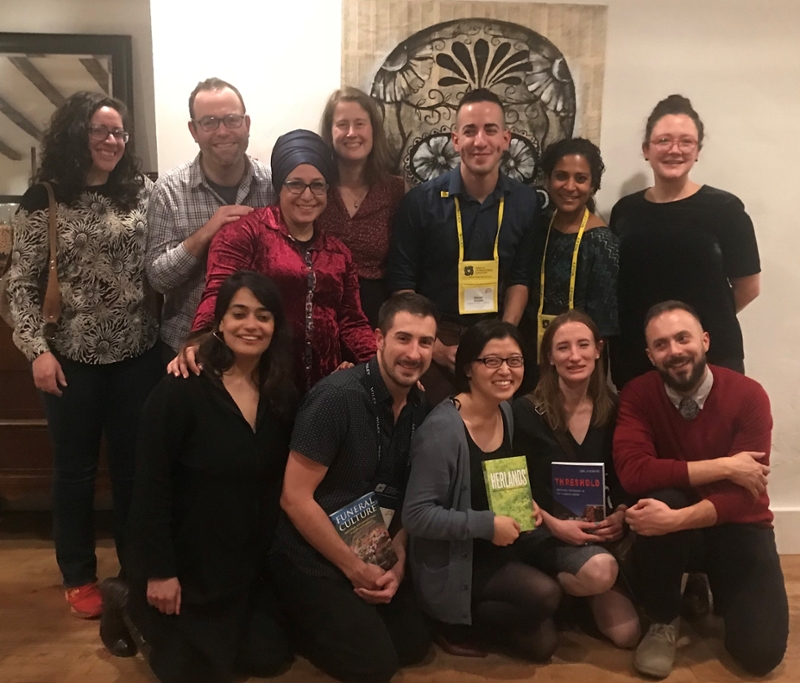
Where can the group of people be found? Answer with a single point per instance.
(329, 335)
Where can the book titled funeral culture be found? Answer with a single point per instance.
(508, 489)
(361, 526)
(579, 490)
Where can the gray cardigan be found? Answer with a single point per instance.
(438, 517)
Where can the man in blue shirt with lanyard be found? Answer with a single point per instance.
(355, 620)
(465, 239)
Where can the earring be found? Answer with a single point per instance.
(647, 158)
(218, 336)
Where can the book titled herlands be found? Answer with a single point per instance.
(579, 490)
(361, 526)
(508, 489)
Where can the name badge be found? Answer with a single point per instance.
(477, 286)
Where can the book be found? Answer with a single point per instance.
(579, 490)
(360, 524)
(508, 489)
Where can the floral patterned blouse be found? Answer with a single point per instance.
(105, 317)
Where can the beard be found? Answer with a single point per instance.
(692, 379)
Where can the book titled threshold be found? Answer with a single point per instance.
(579, 490)
(361, 526)
(508, 489)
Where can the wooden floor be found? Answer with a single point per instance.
(41, 643)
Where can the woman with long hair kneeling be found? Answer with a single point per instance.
(570, 416)
(211, 457)
(463, 556)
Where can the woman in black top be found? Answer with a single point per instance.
(576, 238)
(211, 457)
(570, 416)
(680, 240)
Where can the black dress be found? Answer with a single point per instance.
(686, 250)
(206, 500)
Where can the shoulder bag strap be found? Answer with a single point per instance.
(51, 308)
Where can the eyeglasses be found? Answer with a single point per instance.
(211, 123)
(298, 187)
(102, 133)
(665, 144)
(494, 362)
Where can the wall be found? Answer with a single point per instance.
(119, 17)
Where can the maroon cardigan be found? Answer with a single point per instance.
(653, 443)
(260, 241)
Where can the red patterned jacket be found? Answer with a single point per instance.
(335, 329)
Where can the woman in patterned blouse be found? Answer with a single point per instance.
(313, 270)
(95, 369)
(572, 169)
(362, 203)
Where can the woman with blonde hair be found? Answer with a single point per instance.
(570, 416)
(362, 202)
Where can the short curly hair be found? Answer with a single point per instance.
(66, 158)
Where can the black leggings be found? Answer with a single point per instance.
(744, 573)
(513, 611)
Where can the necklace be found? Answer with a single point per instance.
(356, 199)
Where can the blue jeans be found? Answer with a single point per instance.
(97, 399)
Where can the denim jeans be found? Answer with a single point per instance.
(97, 399)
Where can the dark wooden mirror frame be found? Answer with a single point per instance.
(117, 46)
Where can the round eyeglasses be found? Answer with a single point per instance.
(494, 362)
(665, 144)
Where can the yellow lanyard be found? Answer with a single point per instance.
(461, 230)
(574, 270)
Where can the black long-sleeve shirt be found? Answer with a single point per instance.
(207, 489)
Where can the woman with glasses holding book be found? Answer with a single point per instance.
(363, 200)
(570, 417)
(681, 240)
(463, 556)
(211, 456)
(95, 364)
(314, 271)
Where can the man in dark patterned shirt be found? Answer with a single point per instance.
(192, 202)
(352, 437)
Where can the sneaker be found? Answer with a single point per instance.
(85, 601)
(113, 630)
(655, 655)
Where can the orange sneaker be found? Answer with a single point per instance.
(85, 602)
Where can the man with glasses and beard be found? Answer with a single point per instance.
(352, 436)
(190, 203)
(693, 441)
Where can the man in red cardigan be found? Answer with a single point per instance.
(693, 441)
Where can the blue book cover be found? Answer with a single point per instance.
(579, 490)
(361, 526)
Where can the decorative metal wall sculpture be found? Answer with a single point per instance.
(422, 81)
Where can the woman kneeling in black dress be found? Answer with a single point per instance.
(212, 452)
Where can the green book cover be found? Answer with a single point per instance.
(509, 489)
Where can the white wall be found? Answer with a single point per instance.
(119, 17)
(738, 60)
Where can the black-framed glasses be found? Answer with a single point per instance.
(298, 187)
(211, 123)
(494, 362)
(102, 133)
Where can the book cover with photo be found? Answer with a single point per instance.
(579, 490)
(508, 489)
(360, 524)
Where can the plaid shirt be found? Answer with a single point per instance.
(182, 202)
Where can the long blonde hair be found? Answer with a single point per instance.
(547, 396)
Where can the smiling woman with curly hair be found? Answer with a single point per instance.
(96, 365)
